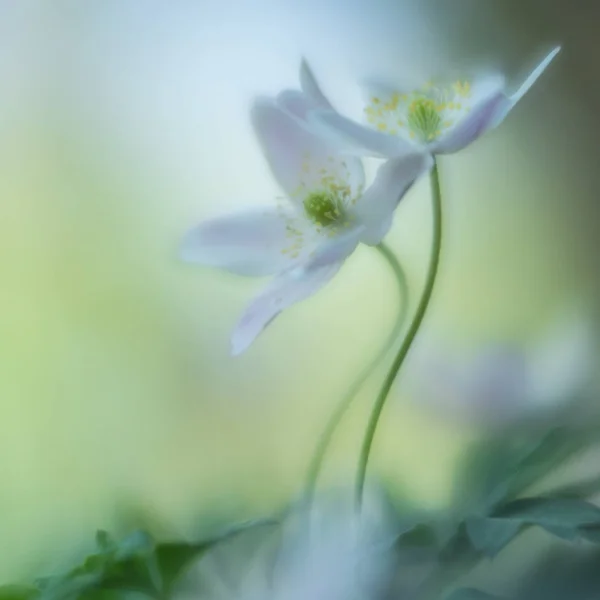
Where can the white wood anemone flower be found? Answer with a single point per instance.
(502, 383)
(439, 118)
(325, 552)
(305, 237)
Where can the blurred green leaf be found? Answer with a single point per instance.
(418, 536)
(482, 476)
(117, 566)
(499, 469)
(18, 592)
(567, 518)
(174, 558)
(591, 533)
(489, 535)
(543, 456)
(417, 545)
(551, 512)
(112, 595)
(581, 489)
(470, 594)
(104, 542)
(135, 564)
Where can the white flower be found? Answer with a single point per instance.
(441, 118)
(325, 553)
(503, 383)
(305, 240)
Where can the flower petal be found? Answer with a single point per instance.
(353, 138)
(296, 103)
(534, 76)
(490, 101)
(524, 87)
(382, 89)
(394, 178)
(285, 290)
(246, 243)
(310, 87)
(337, 248)
(298, 157)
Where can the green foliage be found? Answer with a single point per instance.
(18, 592)
(432, 550)
(496, 470)
(567, 518)
(137, 564)
(470, 594)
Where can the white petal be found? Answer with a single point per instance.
(297, 155)
(296, 103)
(350, 168)
(382, 89)
(310, 87)
(246, 243)
(394, 178)
(353, 138)
(337, 248)
(534, 75)
(489, 102)
(285, 290)
(524, 88)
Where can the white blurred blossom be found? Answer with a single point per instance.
(503, 382)
(325, 552)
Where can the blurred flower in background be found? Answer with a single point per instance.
(551, 378)
(324, 552)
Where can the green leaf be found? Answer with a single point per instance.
(18, 592)
(481, 480)
(498, 469)
(69, 586)
(567, 513)
(418, 544)
(118, 566)
(111, 595)
(549, 452)
(470, 594)
(104, 542)
(490, 535)
(138, 544)
(580, 489)
(173, 558)
(591, 533)
(566, 518)
(420, 535)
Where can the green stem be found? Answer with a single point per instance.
(408, 340)
(333, 422)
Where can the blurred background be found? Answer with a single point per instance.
(123, 124)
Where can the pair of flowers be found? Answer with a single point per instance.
(314, 154)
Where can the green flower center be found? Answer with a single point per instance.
(424, 118)
(324, 208)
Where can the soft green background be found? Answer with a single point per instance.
(123, 123)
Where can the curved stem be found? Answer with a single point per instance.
(334, 420)
(408, 340)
